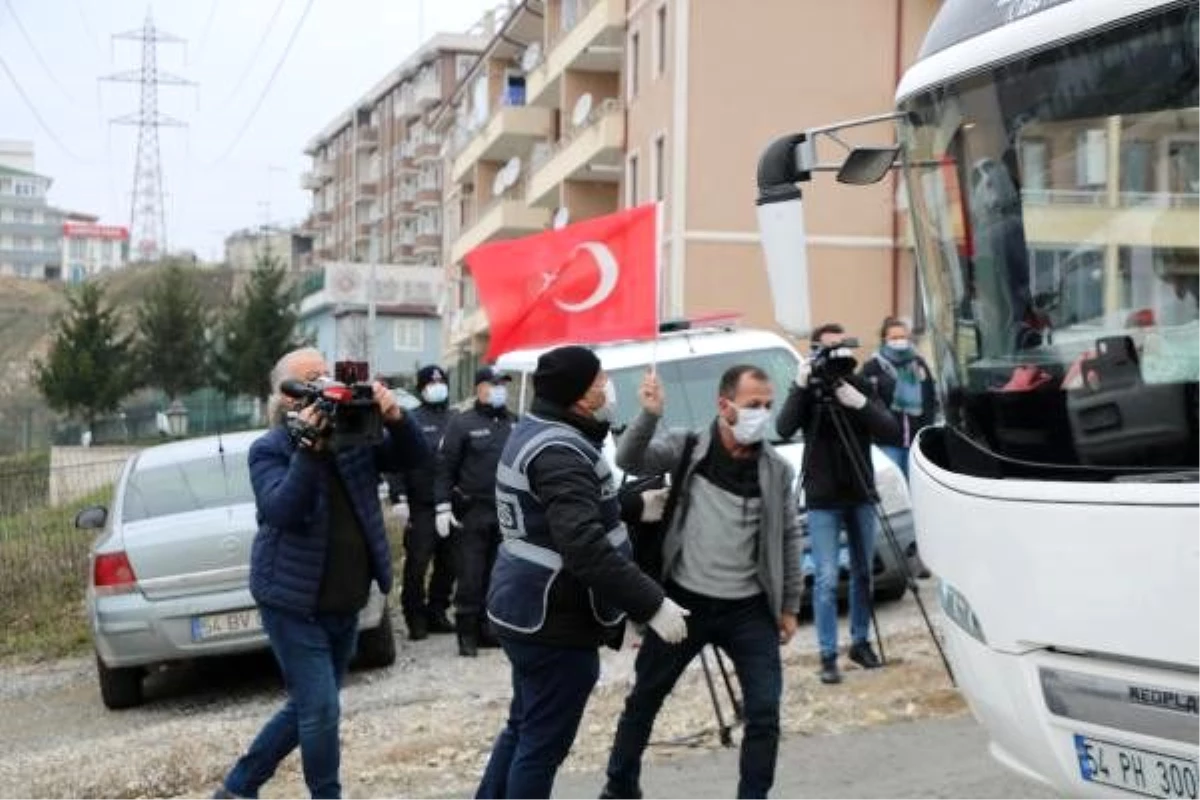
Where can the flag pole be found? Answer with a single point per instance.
(658, 248)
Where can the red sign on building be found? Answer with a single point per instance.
(83, 230)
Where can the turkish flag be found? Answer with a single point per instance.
(593, 281)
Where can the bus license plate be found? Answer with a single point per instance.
(1135, 770)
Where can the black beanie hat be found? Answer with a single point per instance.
(428, 374)
(564, 374)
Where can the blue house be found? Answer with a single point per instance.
(335, 309)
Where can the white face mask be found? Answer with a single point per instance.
(751, 425)
(606, 412)
(435, 393)
(899, 344)
(498, 396)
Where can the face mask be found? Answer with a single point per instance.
(498, 396)
(899, 344)
(435, 393)
(751, 425)
(606, 412)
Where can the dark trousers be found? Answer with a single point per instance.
(551, 686)
(423, 546)
(749, 633)
(313, 653)
(475, 546)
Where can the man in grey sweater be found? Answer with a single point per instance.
(731, 556)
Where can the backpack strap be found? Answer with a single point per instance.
(677, 477)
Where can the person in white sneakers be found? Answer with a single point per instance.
(731, 556)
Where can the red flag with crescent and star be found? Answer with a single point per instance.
(594, 281)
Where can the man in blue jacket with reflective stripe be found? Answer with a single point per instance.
(564, 579)
(320, 543)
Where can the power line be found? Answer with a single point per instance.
(270, 82)
(208, 23)
(33, 110)
(87, 28)
(12, 12)
(241, 79)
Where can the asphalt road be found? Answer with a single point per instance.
(929, 758)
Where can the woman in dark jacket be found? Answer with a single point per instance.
(904, 383)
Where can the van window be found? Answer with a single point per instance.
(690, 385)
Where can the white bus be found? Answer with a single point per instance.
(1051, 159)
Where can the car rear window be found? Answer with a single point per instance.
(209, 482)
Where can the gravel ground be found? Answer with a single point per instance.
(420, 728)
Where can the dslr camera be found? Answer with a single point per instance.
(352, 417)
(832, 363)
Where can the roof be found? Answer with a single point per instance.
(441, 43)
(233, 444)
(20, 173)
(673, 346)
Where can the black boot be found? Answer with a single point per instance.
(467, 627)
(439, 623)
(864, 656)
(418, 628)
(487, 636)
(829, 670)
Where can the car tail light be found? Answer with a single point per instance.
(113, 574)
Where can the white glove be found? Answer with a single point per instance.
(670, 622)
(401, 511)
(444, 520)
(850, 397)
(802, 373)
(654, 502)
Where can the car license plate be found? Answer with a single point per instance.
(1135, 770)
(212, 626)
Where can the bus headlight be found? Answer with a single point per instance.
(956, 607)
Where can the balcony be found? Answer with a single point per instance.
(426, 94)
(368, 138)
(323, 217)
(595, 43)
(368, 188)
(508, 133)
(403, 207)
(310, 181)
(427, 197)
(428, 244)
(591, 152)
(467, 323)
(426, 152)
(506, 217)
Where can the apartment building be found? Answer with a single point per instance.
(89, 248)
(578, 108)
(31, 230)
(376, 172)
(292, 248)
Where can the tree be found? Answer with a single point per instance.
(258, 329)
(88, 371)
(171, 350)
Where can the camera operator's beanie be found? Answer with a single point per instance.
(428, 374)
(564, 374)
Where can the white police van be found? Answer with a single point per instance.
(690, 359)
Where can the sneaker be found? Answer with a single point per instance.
(862, 654)
(829, 670)
(222, 793)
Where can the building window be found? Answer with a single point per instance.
(22, 215)
(27, 189)
(1091, 159)
(635, 61)
(408, 334)
(78, 248)
(1035, 170)
(631, 181)
(6, 185)
(660, 41)
(22, 243)
(660, 166)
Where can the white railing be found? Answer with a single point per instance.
(602, 110)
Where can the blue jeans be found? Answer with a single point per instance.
(899, 455)
(551, 686)
(749, 632)
(313, 653)
(824, 527)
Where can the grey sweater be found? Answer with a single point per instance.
(641, 452)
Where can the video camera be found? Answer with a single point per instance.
(347, 402)
(832, 363)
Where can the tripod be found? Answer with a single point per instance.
(827, 405)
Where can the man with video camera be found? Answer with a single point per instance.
(320, 543)
(839, 417)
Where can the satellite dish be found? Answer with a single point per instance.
(562, 215)
(583, 108)
(512, 170)
(498, 184)
(531, 57)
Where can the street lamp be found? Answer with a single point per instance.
(177, 419)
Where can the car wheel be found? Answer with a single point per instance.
(377, 646)
(120, 687)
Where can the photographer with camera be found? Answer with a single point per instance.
(731, 556)
(465, 492)
(320, 543)
(827, 401)
(425, 610)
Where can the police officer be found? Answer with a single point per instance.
(564, 578)
(425, 613)
(465, 491)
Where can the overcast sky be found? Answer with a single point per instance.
(342, 49)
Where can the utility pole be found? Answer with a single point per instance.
(147, 215)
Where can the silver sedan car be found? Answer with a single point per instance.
(170, 567)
